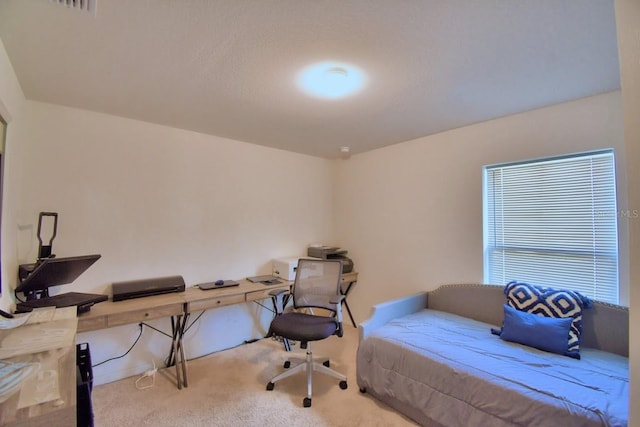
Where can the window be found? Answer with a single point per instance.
(553, 222)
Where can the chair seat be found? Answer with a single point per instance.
(303, 327)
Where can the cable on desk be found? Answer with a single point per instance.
(127, 352)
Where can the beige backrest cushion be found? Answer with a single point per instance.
(605, 326)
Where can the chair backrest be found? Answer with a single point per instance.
(317, 283)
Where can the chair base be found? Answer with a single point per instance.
(309, 365)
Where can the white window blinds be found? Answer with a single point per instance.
(553, 223)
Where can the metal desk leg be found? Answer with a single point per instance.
(344, 302)
(183, 360)
(176, 352)
(170, 360)
(173, 355)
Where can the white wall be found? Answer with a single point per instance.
(11, 96)
(11, 103)
(158, 201)
(411, 214)
(627, 20)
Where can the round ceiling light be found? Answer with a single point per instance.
(331, 80)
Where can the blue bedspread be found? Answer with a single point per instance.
(456, 373)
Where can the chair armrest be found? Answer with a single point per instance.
(337, 299)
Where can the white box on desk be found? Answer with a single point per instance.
(285, 268)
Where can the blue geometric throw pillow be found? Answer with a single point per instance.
(549, 302)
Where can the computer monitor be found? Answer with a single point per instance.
(54, 272)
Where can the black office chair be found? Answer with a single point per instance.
(316, 287)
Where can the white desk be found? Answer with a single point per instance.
(179, 306)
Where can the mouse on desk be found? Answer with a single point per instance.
(219, 282)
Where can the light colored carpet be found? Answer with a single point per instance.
(228, 389)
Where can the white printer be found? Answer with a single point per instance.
(285, 268)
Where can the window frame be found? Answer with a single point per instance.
(549, 162)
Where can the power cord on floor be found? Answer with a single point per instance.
(148, 379)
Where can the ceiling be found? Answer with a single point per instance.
(228, 67)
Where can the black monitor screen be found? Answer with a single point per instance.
(56, 271)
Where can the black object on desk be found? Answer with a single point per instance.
(82, 301)
(147, 287)
(217, 284)
(36, 279)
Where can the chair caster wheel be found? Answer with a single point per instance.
(286, 364)
(306, 402)
(343, 385)
(270, 386)
(327, 363)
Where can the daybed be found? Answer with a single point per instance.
(432, 357)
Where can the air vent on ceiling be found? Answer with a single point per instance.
(86, 6)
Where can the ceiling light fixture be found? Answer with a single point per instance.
(331, 80)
